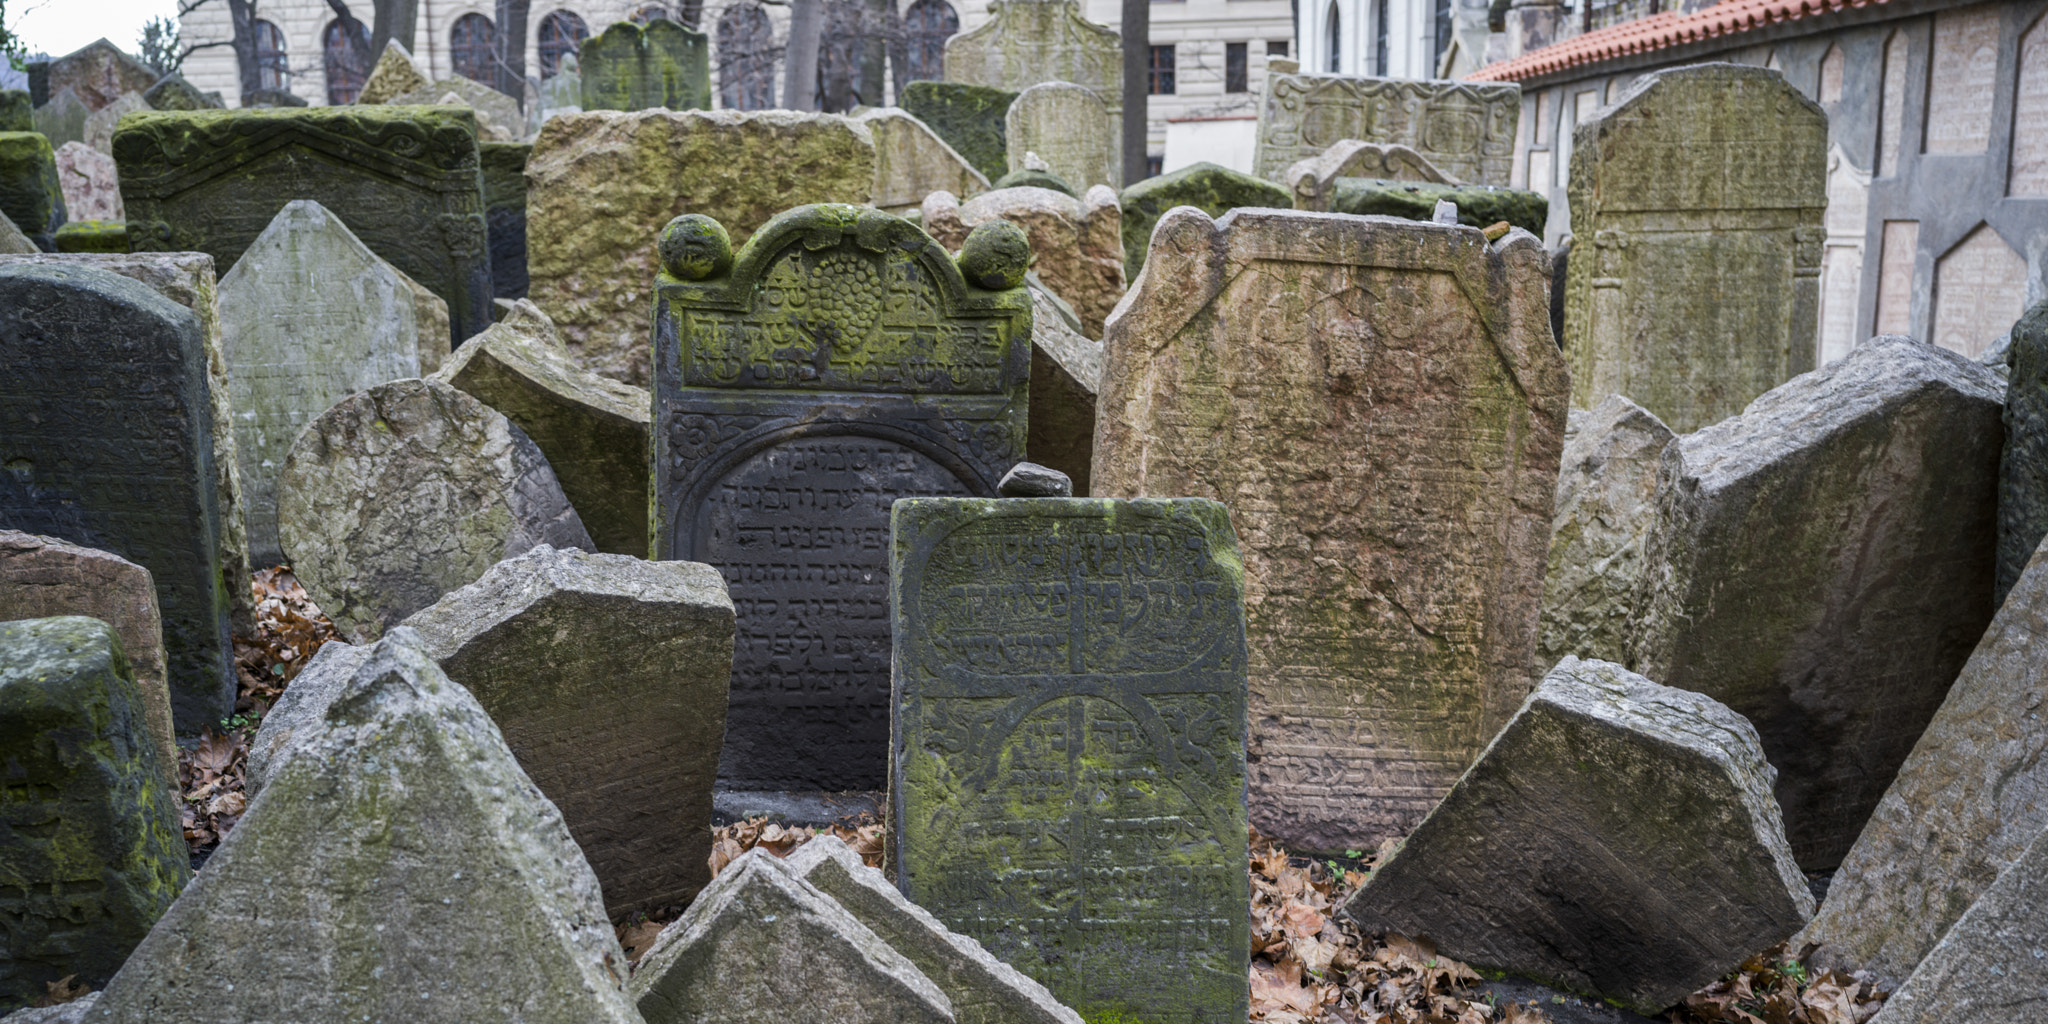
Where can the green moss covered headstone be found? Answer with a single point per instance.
(969, 117)
(16, 112)
(93, 236)
(630, 67)
(30, 195)
(1210, 188)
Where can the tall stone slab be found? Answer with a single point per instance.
(309, 316)
(1069, 777)
(1984, 970)
(2023, 469)
(1210, 188)
(100, 124)
(31, 194)
(504, 170)
(968, 117)
(1076, 244)
(98, 73)
(1606, 504)
(1381, 405)
(404, 179)
(591, 272)
(1698, 202)
(630, 66)
(607, 675)
(912, 162)
(1025, 42)
(1822, 564)
(62, 119)
(839, 362)
(91, 186)
(1070, 127)
(106, 427)
(1465, 129)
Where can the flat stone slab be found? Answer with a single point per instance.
(1606, 491)
(1070, 128)
(90, 183)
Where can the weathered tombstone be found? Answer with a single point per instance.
(1025, 42)
(90, 848)
(630, 66)
(1066, 373)
(1069, 777)
(592, 274)
(91, 186)
(62, 119)
(1606, 491)
(562, 93)
(1035, 173)
(172, 92)
(258, 99)
(1617, 839)
(968, 117)
(30, 193)
(400, 866)
(12, 241)
(1210, 188)
(294, 721)
(1478, 206)
(99, 125)
(759, 941)
(396, 74)
(106, 429)
(93, 236)
(1077, 244)
(1989, 968)
(1806, 623)
(594, 430)
(1962, 808)
(1312, 179)
(404, 179)
(1464, 129)
(99, 73)
(911, 162)
(841, 361)
(504, 170)
(1689, 321)
(406, 491)
(1070, 127)
(17, 112)
(1395, 547)
(2023, 469)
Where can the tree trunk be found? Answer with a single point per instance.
(1137, 35)
(395, 21)
(800, 84)
(876, 27)
(511, 49)
(242, 20)
(360, 56)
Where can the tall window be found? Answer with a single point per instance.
(561, 32)
(1236, 77)
(469, 45)
(271, 70)
(929, 23)
(344, 63)
(746, 58)
(1333, 32)
(1161, 83)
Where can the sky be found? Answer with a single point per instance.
(58, 27)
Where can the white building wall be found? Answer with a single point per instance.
(1411, 38)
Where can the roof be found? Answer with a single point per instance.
(1657, 32)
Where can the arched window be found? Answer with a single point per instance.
(344, 60)
(746, 58)
(928, 24)
(561, 32)
(1332, 30)
(271, 71)
(470, 45)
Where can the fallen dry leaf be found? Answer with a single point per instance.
(63, 991)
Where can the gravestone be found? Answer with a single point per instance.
(404, 180)
(1035, 174)
(106, 431)
(98, 73)
(12, 241)
(1069, 777)
(1963, 807)
(594, 430)
(1617, 839)
(504, 170)
(911, 162)
(62, 119)
(969, 117)
(1464, 129)
(1066, 373)
(563, 92)
(1698, 202)
(398, 866)
(395, 75)
(172, 92)
(630, 66)
(1313, 178)
(403, 492)
(1025, 42)
(1806, 623)
(293, 722)
(839, 362)
(1210, 188)
(94, 236)
(90, 848)
(17, 111)
(99, 125)
(2023, 469)
(592, 274)
(31, 195)
(44, 577)
(1077, 244)
(607, 675)
(1381, 406)
(309, 316)
(1479, 206)
(1989, 968)
(1606, 491)
(498, 116)
(91, 187)
(1071, 128)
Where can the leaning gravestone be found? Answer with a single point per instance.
(1313, 179)
(99, 73)
(1069, 777)
(1617, 839)
(840, 362)
(1989, 968)
(1807, 623)
(634, 67)
(504, 170)
(911, 162)
(1025, 42)
(1465, 129)
(62, 119)
(90, 848)
(31, 195)
(404, 179)
(91, 186)
(399, 866)
(12, 241)
(106, 430)
(1076, 244)
(2023, 470)
(591, 274)
(1210, 188)
(1395, 548)
(309, 316)
(401, 493)
(1692, 322)
(969, 117)
(607, 674)
(396, 74)
(498, 116)
(1071, 128)
(1606, 490)
(1066, 373)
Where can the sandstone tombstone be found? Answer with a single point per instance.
(1066, 373)
(1070, 126)
(1395, 546)
(99, 74)
(400, 866)
(1697, 199)
(12, 241)
(1808, 624)
(1617, 839)
(1069, 774)
(607, 675)
(62, 119)
(504, 170)
(969, 117)
(1025, 42)
(17, 111)
(396, 74)
(403, 492)
(90, 848)
(1986, 969)
(100, 124)
(840, 362)
(1312, 179)
(2023, 469)
(592, 273)
(31, 195)
(1076, 244)
(404, 179)
(630, 66)
(912, 162)
(1210, 188)
(92, 189)
(106, 429)
(1606, 490)
(1464, 129)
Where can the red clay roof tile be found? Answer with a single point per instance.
(1656, 32)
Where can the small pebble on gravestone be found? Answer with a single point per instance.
(1031, 480)
(1446, 212)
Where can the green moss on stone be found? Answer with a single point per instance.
(29, 193)
(1211, 188)
(1478, 205)
(968, 117)
(93, 236)
(629, 67)
(504, 170)
(17, 113)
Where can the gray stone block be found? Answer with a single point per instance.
(1606, 490)
(1992, 966)
(2023, 471)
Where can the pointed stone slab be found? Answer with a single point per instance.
(396, 73)
(401, 866)
(983, 989)
(1618, 839)
(12, 241)
(1992, 966)
(2023, 469)
(1606, 491)
(99, 73)
(760, 944)
(295, 718)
